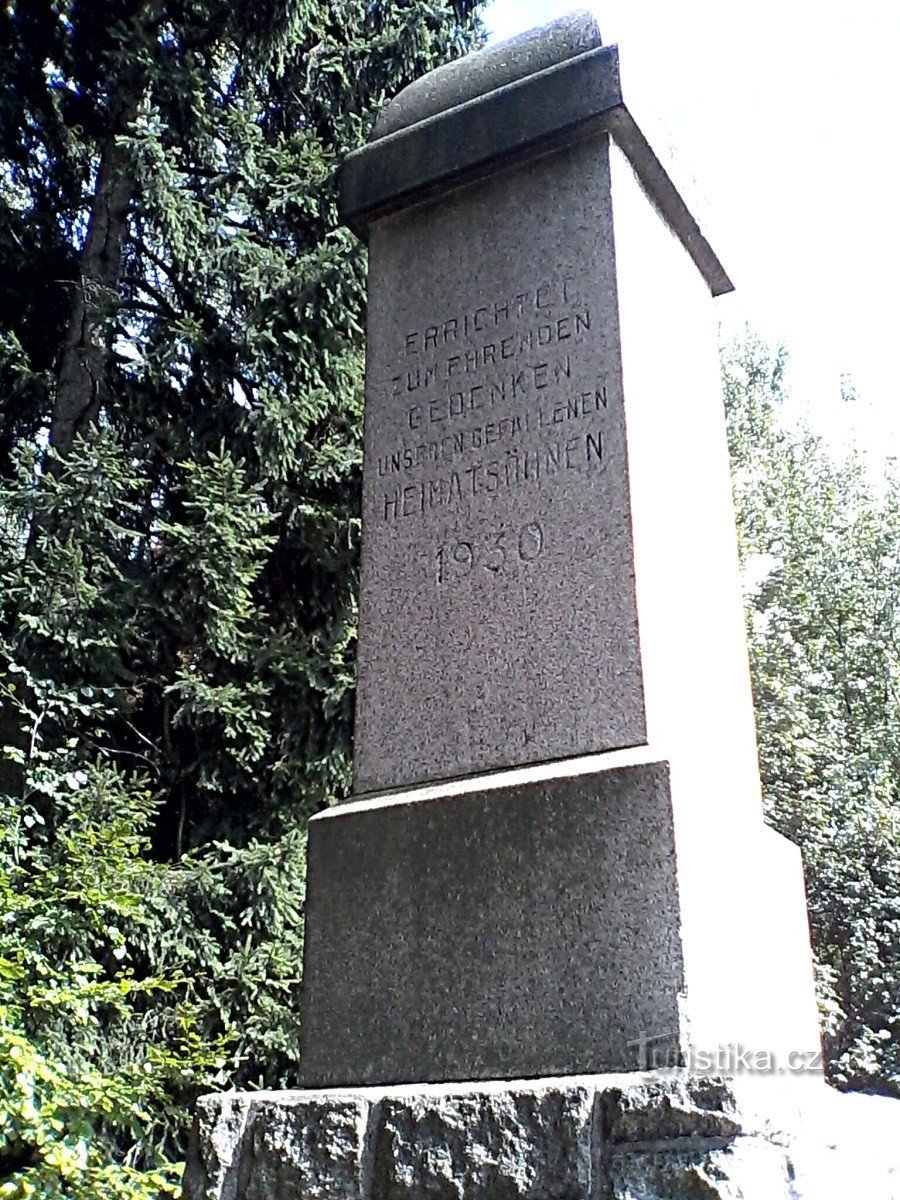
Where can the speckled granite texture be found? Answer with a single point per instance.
(506, 933)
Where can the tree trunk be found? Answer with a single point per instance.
(85, 359)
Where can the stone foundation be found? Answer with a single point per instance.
(650, 1136)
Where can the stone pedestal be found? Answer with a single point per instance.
(551, 926)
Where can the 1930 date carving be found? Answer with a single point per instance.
(459, 560)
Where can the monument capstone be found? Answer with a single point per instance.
(554, 862)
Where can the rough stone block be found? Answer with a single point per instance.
(644, 1136)
(687, 1136)
(506, 1143)
(744, 1169)
(312, 1150)
(650, 1108)
(284, 1145)
(215, 1150)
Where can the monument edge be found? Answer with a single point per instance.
(512, 124)
(658, 187)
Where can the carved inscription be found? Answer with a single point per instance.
(459, 560)
(485, 402)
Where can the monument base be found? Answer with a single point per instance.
(572, 923)
(651, 1136)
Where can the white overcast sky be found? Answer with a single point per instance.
(786, 114)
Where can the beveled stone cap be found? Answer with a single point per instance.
(486, 70)
(498, 107)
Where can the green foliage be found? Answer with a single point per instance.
(80, 1100)
(181, 360)
(820, 543)
(226, 310)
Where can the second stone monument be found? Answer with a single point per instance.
(555, 857)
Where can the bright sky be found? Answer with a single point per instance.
(785, 113)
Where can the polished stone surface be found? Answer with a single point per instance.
(507, 105)
(549, 571)
(540, 923)
(535, 377)
(498, 621)
(514, 123)
(529, 930)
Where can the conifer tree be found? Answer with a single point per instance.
(175, 285)
(820, 542)
(181, 345)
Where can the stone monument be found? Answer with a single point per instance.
(551, 633)
(554, 866)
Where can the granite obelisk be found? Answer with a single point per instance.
(555, 847)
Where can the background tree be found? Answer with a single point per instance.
(180, 397)
(820, 542)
